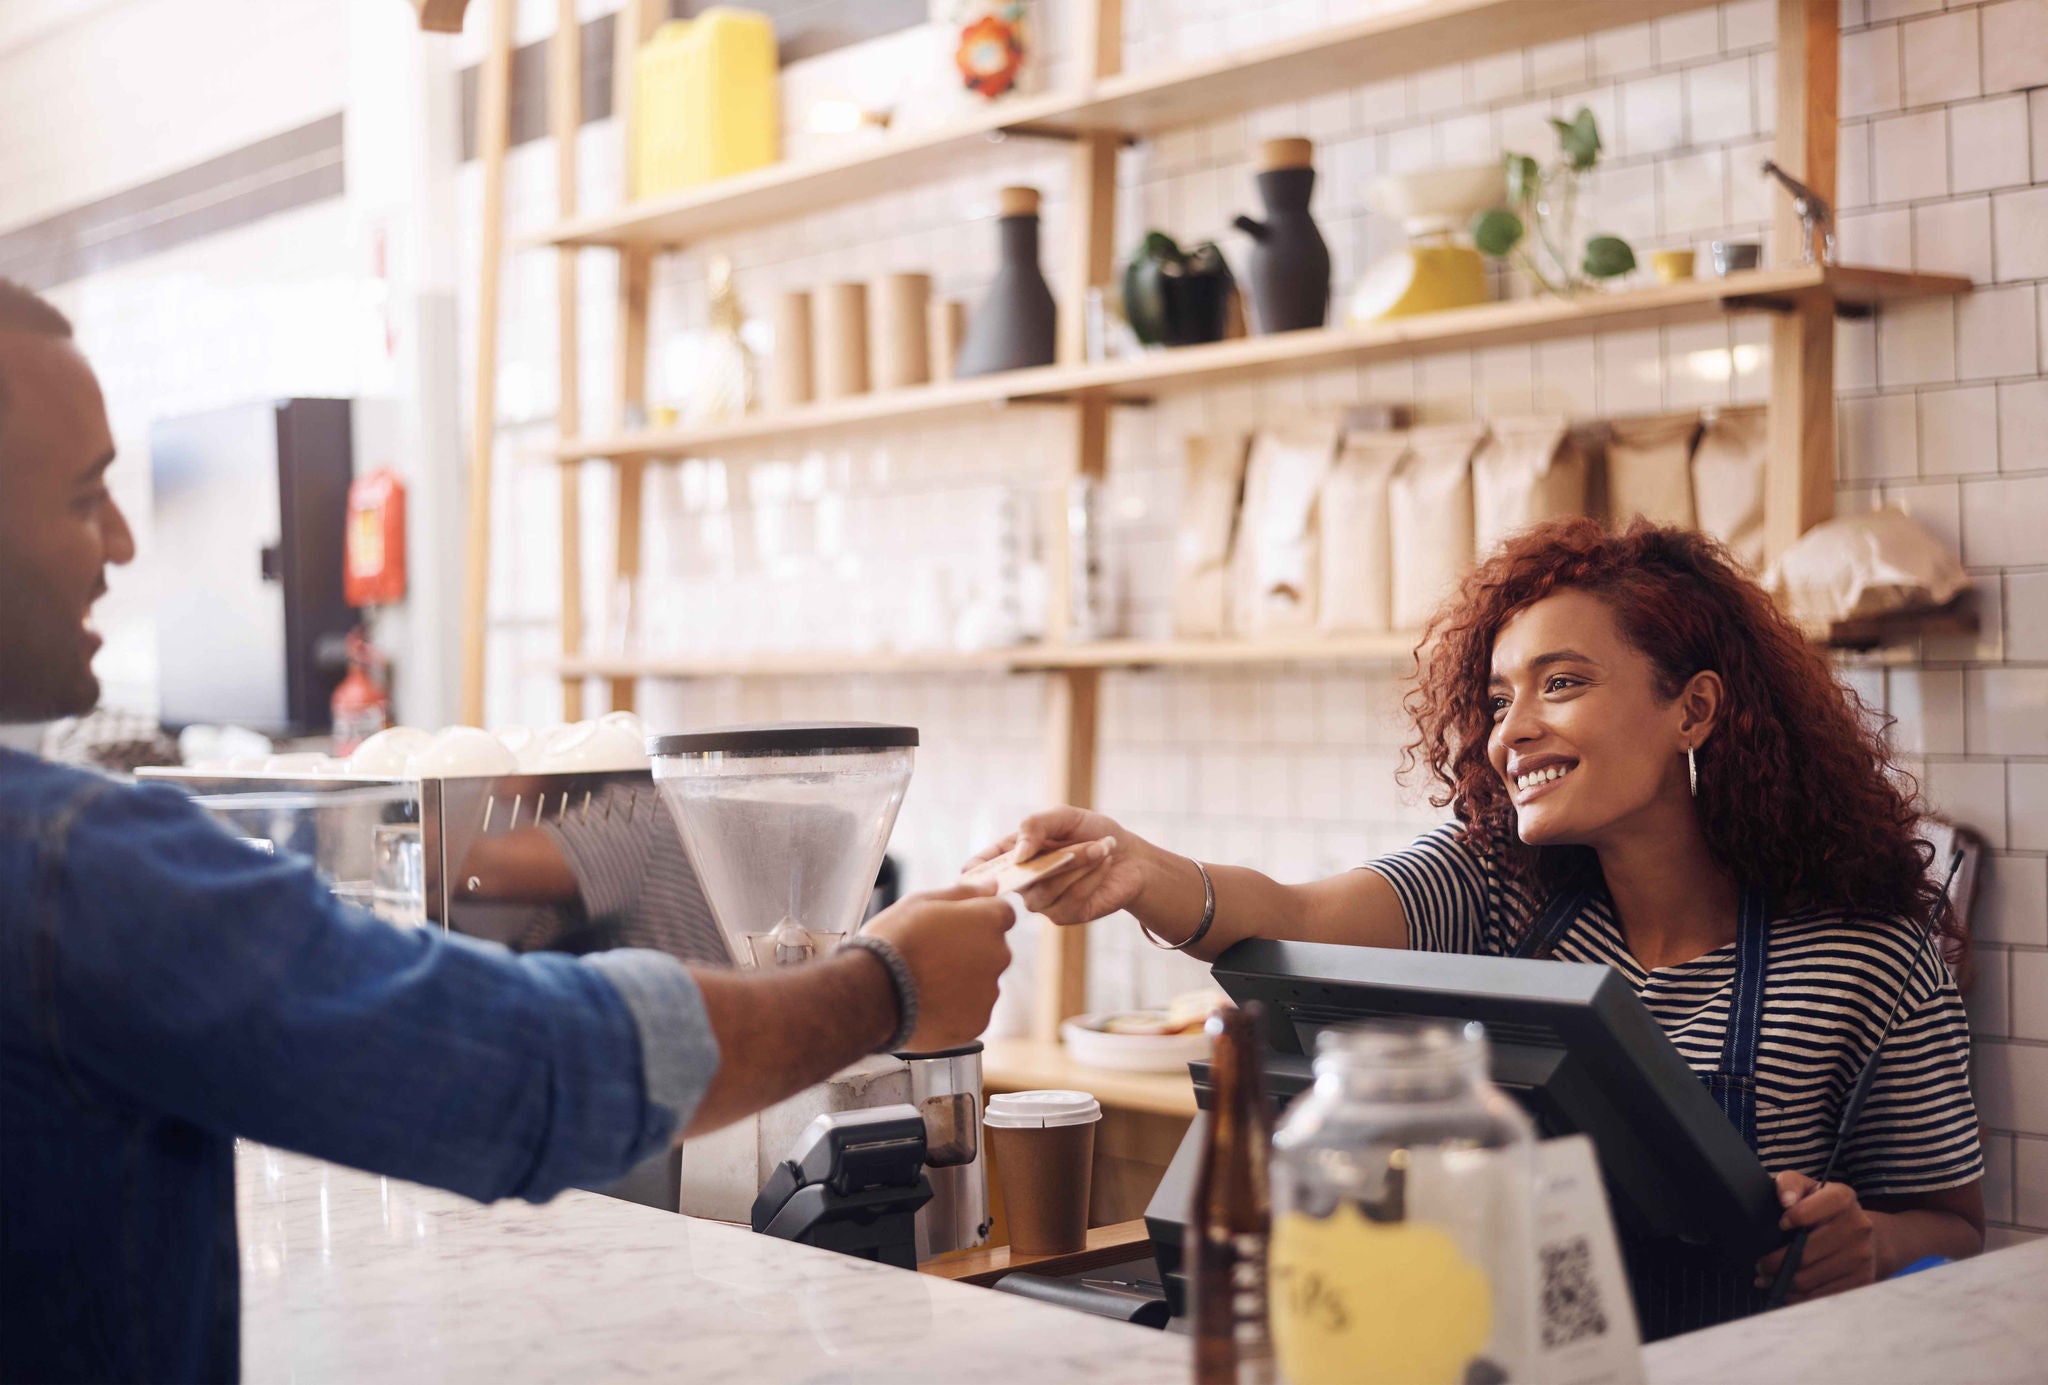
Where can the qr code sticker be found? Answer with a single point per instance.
(1572, 1310)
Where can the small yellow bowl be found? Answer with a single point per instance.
(1671, 266)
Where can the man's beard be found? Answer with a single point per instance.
(45, 672)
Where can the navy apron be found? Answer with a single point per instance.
(1677, 1287)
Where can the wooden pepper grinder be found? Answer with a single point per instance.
(1290, 265)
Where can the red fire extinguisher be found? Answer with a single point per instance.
(373, 571)
(361, 703)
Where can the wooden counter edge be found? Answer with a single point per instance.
(1107, 1245)
(1013, 1065)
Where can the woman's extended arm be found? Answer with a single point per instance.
(1164, 891)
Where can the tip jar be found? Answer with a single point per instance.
(1402, 1191)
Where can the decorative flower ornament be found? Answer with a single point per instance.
(991, 52)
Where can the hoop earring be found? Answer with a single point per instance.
(1692, 772)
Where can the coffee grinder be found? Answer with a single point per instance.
(786, 825)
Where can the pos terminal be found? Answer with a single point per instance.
(1569, 1041)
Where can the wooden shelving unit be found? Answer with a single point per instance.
(1105, 110)
(1125, 106)
(1160, 373)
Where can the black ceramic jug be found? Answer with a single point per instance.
(1014, 326)
(1289, 272)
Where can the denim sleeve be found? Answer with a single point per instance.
(200, 978)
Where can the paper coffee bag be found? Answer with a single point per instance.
(1276, 567)
(1860, 566)
(1530, 470)
(1357, 535)
(1649, 469)
(1728, 482)
(1212, 488)
(1430, 512)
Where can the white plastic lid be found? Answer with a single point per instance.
(1040, 1110)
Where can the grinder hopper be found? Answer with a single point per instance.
(786, 824)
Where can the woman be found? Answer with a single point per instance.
(1649, 768)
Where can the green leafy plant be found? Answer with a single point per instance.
(1547, 199)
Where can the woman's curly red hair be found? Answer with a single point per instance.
(1797, 790)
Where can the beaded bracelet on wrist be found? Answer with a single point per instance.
(900, 981)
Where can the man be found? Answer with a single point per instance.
(164, 988)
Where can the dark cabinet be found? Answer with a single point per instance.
(248, 511)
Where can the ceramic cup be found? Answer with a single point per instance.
(524, 742)
(591, 747)
(463, 752)
(1672, 266)
(1734, 256)
(385, 754)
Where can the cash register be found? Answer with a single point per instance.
(1570, 1041)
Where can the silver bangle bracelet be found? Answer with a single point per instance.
(1202, 931)
(900, 981)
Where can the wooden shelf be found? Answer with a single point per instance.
(1106, 1245)
(1019, 1065)
(1159, 373)
(1432, 34)
(798, 665)
(1138, 105)
(1213, 653)
(1104, 654)
(1959, 617)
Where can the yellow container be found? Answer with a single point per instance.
(1419, 279)
(704, 101)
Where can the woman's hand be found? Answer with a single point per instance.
(1110, 876)
(1842, 1246)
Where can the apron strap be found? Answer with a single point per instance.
(1547, 929)
(1736, 1092)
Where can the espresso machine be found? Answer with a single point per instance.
(786, 825)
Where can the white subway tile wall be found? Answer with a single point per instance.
(884, 532)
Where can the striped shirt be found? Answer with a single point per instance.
(1832, 980)
(636, 881)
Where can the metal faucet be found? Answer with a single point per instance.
(1813, 211)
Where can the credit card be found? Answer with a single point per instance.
(1017, 875)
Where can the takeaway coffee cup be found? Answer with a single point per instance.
(1044, 1147)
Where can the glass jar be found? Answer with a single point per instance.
(1402, 1185)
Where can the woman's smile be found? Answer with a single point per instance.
(1536, 775)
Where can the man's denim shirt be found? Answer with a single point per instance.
(164, 988)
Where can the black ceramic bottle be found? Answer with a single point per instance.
(1014, 326)
(1289, 272)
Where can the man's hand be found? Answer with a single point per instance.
(953, 941)
(1842, 1247)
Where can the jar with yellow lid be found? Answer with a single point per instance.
(1402, 1189)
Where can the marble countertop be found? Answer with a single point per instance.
(351, 1277)
(348, 1277)
(1977, 1322)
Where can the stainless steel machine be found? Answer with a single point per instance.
(416, 851)
(785, 826)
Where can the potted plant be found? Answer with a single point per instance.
(1548, 200)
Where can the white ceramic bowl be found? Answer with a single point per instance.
(299, 762)
(1439, 199)
(629, 722)
(463, 752)
(589, 747)
(1131, 1052)
(524, 742)
(385, 754)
